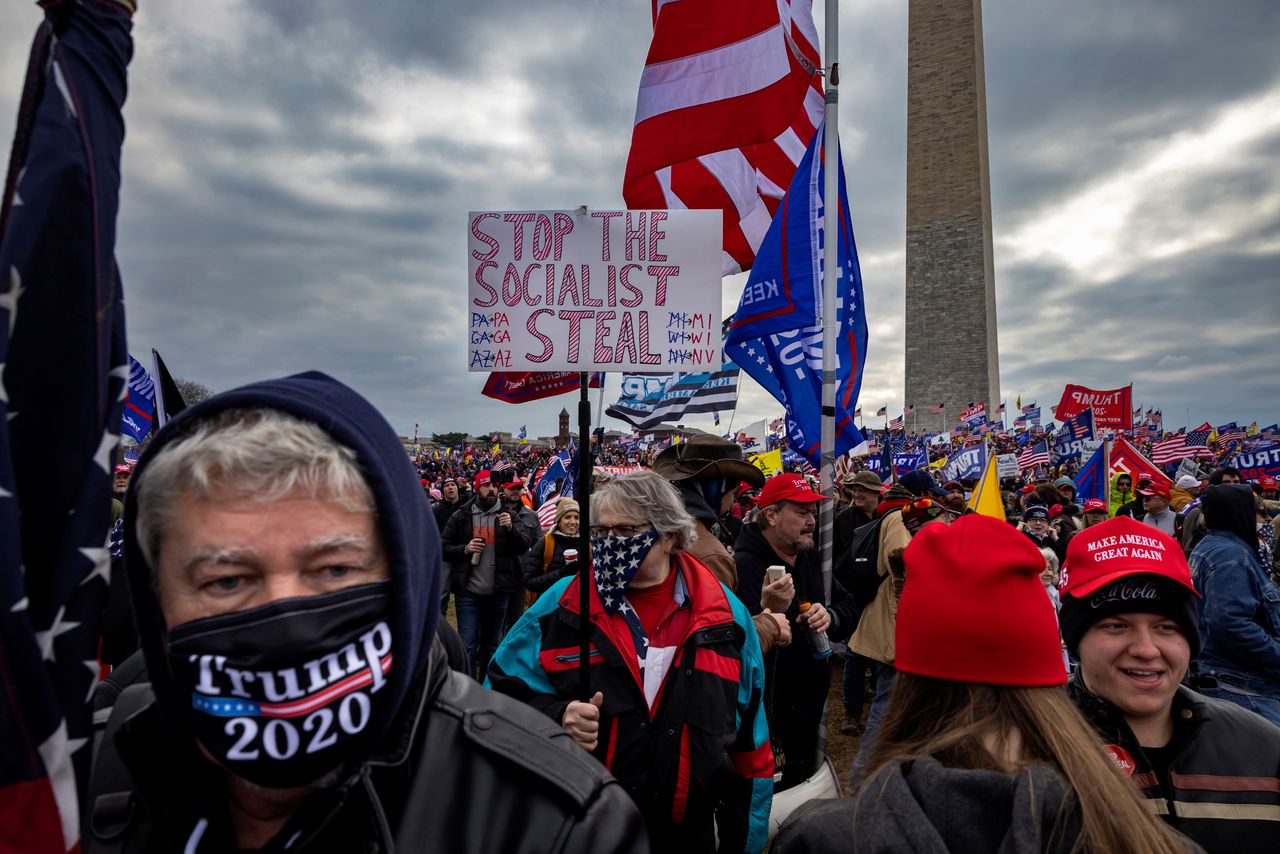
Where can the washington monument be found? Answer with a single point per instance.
(951, 299)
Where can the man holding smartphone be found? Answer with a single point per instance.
(781, 535)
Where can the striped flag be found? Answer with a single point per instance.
(938, 408)
(1170, 449)
(909, 409)
(62, 390)
(897, 424)
(729, 100)
(1036, 454)
(646, 401)
(884, 410)
(140, 405)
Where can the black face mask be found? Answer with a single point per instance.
(283, 694)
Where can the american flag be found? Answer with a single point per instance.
(1026, 409)
(62, 347)
(500, 466)
(1033, 455)
(729, 100)
(909, 409)
(1170, 449)
(1198, 440)
(1229, 433)
(938, 408)
(897, 424)
(882, 411)
(857, 413)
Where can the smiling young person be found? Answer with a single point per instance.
(1207, 767)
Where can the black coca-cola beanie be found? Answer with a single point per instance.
(1133, 594)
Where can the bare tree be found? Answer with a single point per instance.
(192, 391)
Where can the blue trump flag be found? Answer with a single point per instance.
(554, 471)
(140, 405)
(1092, 480)
(776, 334)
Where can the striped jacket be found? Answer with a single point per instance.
(703, 752)
(1224, 780)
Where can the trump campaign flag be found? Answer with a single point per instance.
(729, 97)
(1093, 479)
(1112, 408)
(776, 334)
(522, 387)
(64, 381)
(1125, 457)
(140, 405)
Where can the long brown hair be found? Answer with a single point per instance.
(955, 722)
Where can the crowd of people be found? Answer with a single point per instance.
(1096, 676)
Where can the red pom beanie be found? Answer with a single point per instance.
(973, 608)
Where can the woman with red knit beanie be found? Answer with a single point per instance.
(981, 749)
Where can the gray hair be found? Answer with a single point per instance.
(649, 496)
(263, 454)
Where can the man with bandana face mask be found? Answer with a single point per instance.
(675, 669)
(285, 573)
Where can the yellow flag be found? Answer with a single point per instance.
(770, 462)
(986, 498)
(497, 449)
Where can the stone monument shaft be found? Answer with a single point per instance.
(951, 349)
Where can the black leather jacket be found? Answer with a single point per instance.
(464, 769)
(1224, 780)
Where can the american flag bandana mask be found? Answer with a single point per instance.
(615, 561)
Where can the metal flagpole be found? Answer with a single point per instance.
(830, 317)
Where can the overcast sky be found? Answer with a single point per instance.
(297, 177)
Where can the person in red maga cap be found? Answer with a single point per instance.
(1207, 767)
(781, 534)
(980, 749)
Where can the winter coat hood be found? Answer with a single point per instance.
(920, 805)
(404, 520)
(1231, 507)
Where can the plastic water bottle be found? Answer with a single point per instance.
(819, 641)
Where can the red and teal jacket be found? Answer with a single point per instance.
(702, 752)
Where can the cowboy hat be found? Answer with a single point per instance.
(704, 455)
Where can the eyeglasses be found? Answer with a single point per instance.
(619, 530)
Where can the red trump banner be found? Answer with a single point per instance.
(524, 387)
(1112, 408)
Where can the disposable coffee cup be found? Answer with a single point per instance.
(570, 555)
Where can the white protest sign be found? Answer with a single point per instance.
(1007, 466)
(635, 291)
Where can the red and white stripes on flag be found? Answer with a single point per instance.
(1034, 455)
(729, 99)
(1171, 449)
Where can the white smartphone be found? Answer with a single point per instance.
(775, 572)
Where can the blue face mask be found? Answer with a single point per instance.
(614, 562)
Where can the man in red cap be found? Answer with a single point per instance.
(1156, 510)
(781, 534)
(483, 546)
(1208, 767)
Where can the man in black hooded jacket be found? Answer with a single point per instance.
(284, 570)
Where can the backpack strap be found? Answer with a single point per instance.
(111, 807)
(548, 550)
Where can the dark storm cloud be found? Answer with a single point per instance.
(297, 177)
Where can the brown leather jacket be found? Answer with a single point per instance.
(708, 549)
